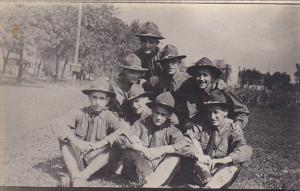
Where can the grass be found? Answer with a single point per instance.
(30, 157)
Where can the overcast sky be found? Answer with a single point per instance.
(251, 36)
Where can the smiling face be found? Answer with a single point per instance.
(204, 78)
(172, 66)
(133, 76)
(160, 115)
(216, 115)
(98, 100)
(148, 45)
(139, 104)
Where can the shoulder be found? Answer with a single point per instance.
(109, 114)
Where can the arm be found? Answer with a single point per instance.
(116, 127)
(240, 111)
(64, 127)
(239, 150)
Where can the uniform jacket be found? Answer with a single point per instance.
(168, 83)
(91, 126)
(220, 142)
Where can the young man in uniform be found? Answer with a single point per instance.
(136, 104)
(131, 73)
(86, 135)
(198, 89)
(155, 143)
(217, 152)
(149, 51)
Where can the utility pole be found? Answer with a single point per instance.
(77, 44)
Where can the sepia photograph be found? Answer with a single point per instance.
(150, 94)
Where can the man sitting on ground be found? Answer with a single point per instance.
(85, 135)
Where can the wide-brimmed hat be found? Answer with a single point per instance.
(137, 91)
(170, 52)
(165, 100)
(149, 29)
(204, 63)
(133, 62)
(100, 85)
(216, 97)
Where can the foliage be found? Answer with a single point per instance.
(52, 29)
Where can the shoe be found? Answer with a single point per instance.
(78, 182)
(65, 181)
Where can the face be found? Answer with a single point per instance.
(139, 104)
(216, 115)
(98, 100)
(172, 66)
(160, 115)
(133, 76)
(149, 45)
(204, 78)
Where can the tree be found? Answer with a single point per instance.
(297, 73)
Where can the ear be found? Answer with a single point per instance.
(107, 99)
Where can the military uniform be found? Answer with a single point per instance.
(190, 97)
(89, 126)
(150, 30)
(151, 136)
(216, 142)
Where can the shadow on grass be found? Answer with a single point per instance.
(55, 167)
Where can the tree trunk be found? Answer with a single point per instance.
(21, 67)
(56, 66)
(63, 70)
(5, 59)
(39, 66)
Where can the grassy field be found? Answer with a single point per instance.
(29, 154)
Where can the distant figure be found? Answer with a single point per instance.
(217, 152)
(86, 135)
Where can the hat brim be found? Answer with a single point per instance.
(155, 103)
(149, 35)
(88, 92)
(209, 104)
(193, 70)
(171, 58)
(146, 94)
(135, 68)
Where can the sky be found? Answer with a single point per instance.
(265, 37)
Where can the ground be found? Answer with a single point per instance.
(29, 154)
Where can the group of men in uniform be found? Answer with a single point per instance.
(155, 122)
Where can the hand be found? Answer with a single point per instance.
(153, 80)
(224, 160)
(220, 84)
(204, 159)
(236, 128)
(153, 153)
(83, 146)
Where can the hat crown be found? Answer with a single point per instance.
(204, 62)
(135, 90)
(169, 51)
(216, 97)
(150, 28)
(165, 98)
(133, 61)
(101, 84)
